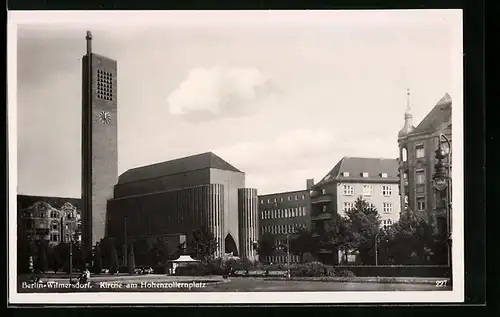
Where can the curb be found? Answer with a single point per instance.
(366, 280)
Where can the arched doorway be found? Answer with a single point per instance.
(231, 245)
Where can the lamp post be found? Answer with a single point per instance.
(254, 247)
(442, 181)
(68, 228)
(376, 248)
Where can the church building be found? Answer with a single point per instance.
(178, 196)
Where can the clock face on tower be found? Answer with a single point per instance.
(105, 117)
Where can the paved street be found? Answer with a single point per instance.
(260, 285)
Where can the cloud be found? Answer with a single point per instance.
(283, 163)
(208, 93)
(291, 149)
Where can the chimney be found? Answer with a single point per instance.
(310, 183)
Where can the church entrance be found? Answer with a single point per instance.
(231, 245)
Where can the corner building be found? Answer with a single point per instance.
(373, 179)
(179, 196)
(417, 149)
(54, 219)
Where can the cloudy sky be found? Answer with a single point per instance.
(281, 96)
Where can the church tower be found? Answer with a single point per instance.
(99, 141)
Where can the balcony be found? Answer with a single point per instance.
(420, 188)
(322, 216)
(321, 198)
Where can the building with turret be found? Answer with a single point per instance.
(417, 160)
(52, 219)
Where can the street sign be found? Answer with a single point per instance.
(440, 184)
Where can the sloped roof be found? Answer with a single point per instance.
(185, 258)
(356, 166)
(177, 166)
(26, 201)
(439, 115)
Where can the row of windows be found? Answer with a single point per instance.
(364, 174)
(53, 214)
(366, 191)
(55, 237)
(283, 259)
(421, 201)
(419, 177)
(289, 198)
(420, 151)
(387, 222)
(284, 213)
(386, 207)
(280, 243)
(282, 229)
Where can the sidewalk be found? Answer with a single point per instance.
(140, 278)
(375, 279)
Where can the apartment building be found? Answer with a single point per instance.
(281, 215)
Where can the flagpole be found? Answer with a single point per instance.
(125, 243)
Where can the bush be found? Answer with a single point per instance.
(191, 270)
(345, 273)
(312, 269)
(214, 268)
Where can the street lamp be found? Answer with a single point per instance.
(376, 248)
(442, 181)
(288, 274)
(68, 228)
(254, 247)
(287, 246)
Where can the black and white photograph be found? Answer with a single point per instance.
(250, 157)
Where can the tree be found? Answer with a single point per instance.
(113, 259)
(202, 244)
(97, 259)
(159, 254)
(42, 258)
(131, 260)
(142, 252)
(57, 256)
(265, 246)
(338, 235)
(79, 255)
(364, 225)
(25, 250)
(411, 240)
(304, 242)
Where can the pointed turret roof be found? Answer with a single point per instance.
(408, 127)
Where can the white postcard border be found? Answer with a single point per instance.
(92, 17)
